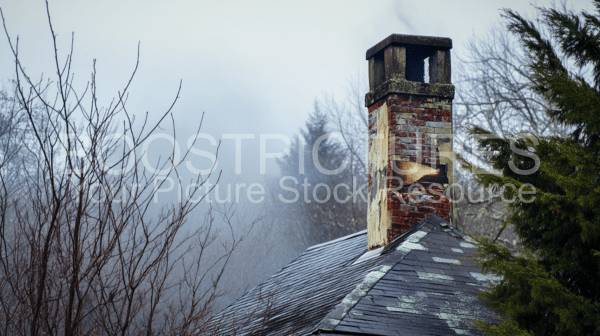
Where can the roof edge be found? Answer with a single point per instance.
(352, 235)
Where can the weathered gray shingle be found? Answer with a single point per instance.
(423, 283)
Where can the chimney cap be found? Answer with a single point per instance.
(400, 39)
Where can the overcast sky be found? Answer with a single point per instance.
(252, 66)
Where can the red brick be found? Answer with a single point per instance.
(399, 108)
(376, 105)
(425, 209)
(417, 122)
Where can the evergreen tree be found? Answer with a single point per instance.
(317, 215)
(553, 287)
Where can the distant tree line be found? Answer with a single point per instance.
(329, 194)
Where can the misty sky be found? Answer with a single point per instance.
(253, 66)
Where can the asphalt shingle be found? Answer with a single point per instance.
(422, 283)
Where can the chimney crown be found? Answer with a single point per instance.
(405, 40)
(397, 64)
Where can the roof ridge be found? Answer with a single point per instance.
(331, 320)
(393, 253)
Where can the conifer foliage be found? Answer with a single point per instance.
(327, 184)
(553, 287)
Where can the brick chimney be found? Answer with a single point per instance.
(410, 133)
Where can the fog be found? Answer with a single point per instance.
(253, 69)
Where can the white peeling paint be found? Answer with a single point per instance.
(406, 247)
(403, 310)
(459, 315)
(455, 250)
(462, 332)
(446, 261)
(374, 276)
(467, 245)
(408, 299)
(452, 319)
(360, 291)
(434, 276)
(410, 304)
(411, 243)
(333, 322)
(485, 277)
(415, 237)
(379, 217)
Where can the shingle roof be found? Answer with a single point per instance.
(422, 283)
